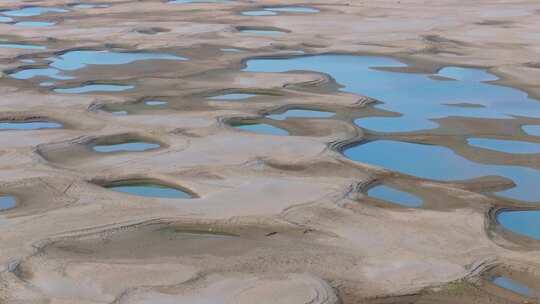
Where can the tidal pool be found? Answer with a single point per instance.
(507, 146)
(88, 88)
(300, 113)
(135, 146)
(261, 128)
(526, 223)
(7, 202)
(532, 129)
(395, 196)
(418, 97)
(4, 44)
(76, 60)
(440, 163)
(232, 96)
(514, 286)
(29, 125)
(31, 11)
(150, 190)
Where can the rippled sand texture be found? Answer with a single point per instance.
(231, 151)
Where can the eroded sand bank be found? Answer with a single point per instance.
(271, 219)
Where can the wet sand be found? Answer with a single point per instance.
(273, 219)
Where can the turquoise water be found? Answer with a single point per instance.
(151, 190)
(526, 223)
(154, 103)
(395, 196)
(514, 286)
(33, 11)
(418, 97)
(440, 163)
(126, 147)
(76, 60)
(4, 19)
(301, 113)
(34, 23)
(88, 88)
(532, 130)
(29, 125)
(21, 46)
(233, 96)
(508, 146)
(261, 128)
(7, 202)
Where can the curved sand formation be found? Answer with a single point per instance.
(277, 219)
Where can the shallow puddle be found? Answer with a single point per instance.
(300, 113)
(29, 125)
(232, 96)
(514, 286)
(262, 32)
(259, 13)
(149, 190)
(34, 23)
(7, 202)
(418, 97)
(32, 11)
(395, 196)
(526, 223)
(4, 44)
(532, 130)
(507, 146)
(233, 50)
(261, 128)
(154, 103)
(293, 9)
(4, 19)
(136, 146)
(88, 88)
(440, 163)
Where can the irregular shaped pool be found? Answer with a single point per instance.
(261, 128)
(514, 286)
(149, 190)
(418, 97)
(532, 130)
(395, 196)
(88, 88)
(7, 202)
(34, 23)
(154, 103)
(31, 11)
(526, 223)
(507, 146)
(441, 163)
(29, 125)
(300, 113)
(76, 60)
(135, 146)
(25, 46)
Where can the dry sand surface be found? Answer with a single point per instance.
(273, 219)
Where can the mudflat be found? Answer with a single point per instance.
(274, 151)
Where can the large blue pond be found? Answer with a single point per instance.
(7, 202)
(521, 222)
(513, 286)
(441, 163)
(419, 97)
